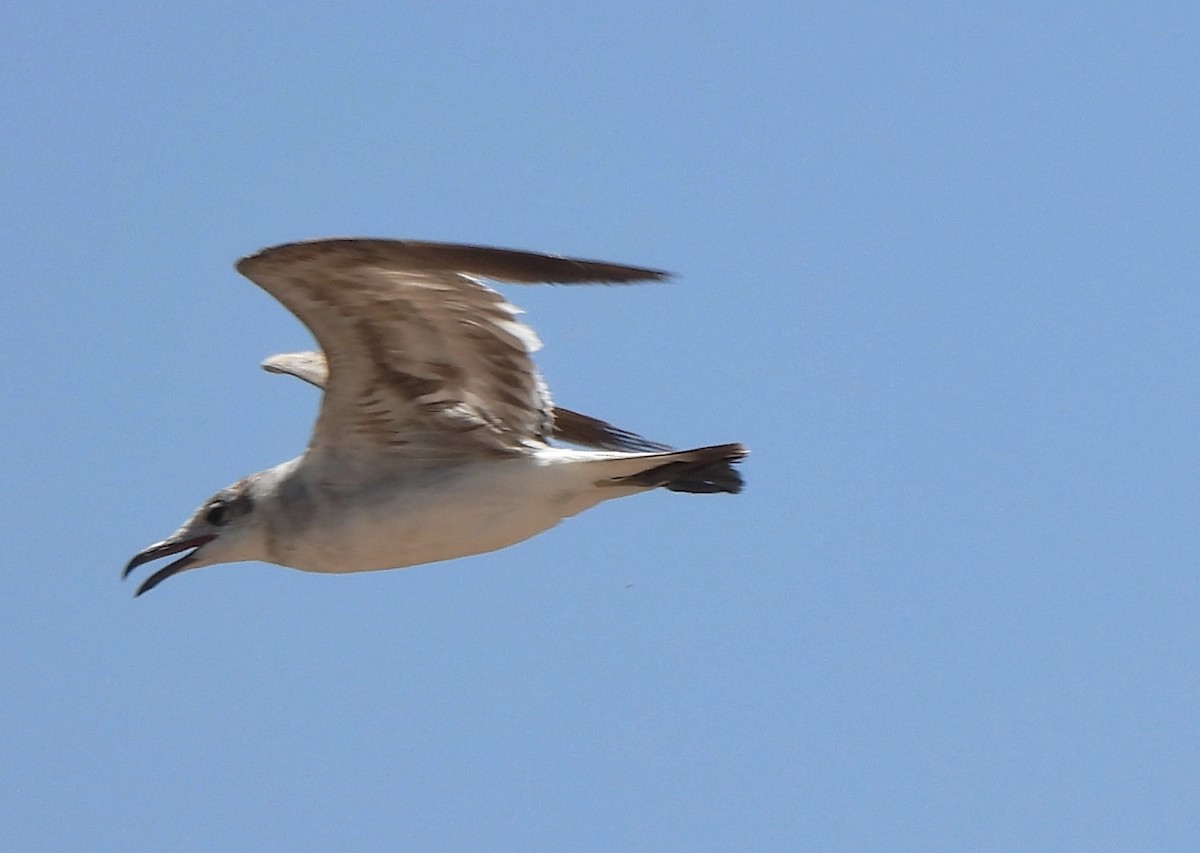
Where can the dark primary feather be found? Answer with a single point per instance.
(418, 255)
(586, 431)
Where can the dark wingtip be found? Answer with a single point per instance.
(574, 428)
(488, 261)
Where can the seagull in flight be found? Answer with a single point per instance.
(434, 435)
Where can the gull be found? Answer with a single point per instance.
(433, 439)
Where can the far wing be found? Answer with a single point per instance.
(570, 427)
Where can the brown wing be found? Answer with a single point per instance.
(424, 360)
(571, 427)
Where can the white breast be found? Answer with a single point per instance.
(425, 517)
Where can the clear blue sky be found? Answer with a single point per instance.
(938, 269)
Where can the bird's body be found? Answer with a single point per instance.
(425, 514)
(433, 437)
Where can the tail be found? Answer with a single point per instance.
(704, 470)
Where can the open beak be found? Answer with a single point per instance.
(164, 549)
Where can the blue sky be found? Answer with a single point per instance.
(937, 268)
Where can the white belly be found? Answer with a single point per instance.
(398, 523)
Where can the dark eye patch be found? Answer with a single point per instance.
(217, 514)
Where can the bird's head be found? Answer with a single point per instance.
(224, 529)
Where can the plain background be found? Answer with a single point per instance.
(937, 267)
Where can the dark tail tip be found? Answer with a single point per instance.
(703, 471)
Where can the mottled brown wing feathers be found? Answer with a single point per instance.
(423, 359)
(570, 427)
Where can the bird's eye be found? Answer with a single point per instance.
(217, 514)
